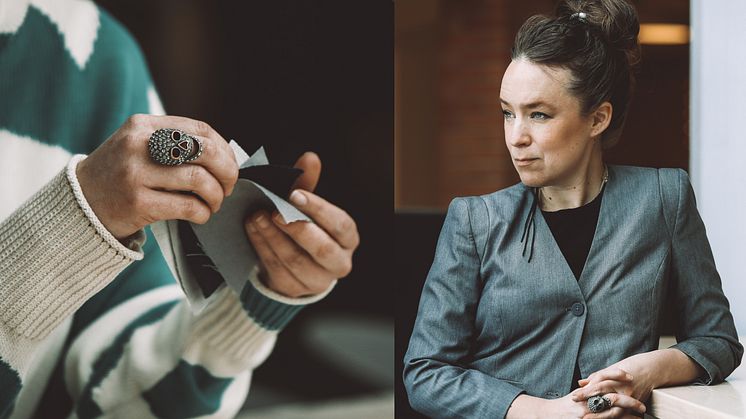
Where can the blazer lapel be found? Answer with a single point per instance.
(602, 236)
(549, 253)
(548, 250)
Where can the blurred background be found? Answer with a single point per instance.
(296, 76)
(449, 60)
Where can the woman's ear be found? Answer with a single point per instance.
(601, 118)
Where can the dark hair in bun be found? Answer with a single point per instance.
(597, 41)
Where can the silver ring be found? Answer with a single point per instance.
(194, 156)
(172, 147)
(598, 403)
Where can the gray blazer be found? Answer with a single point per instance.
(492, 325)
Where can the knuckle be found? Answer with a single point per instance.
(355, 242)
(272, 264)
(346, 267)
(130, 142)
(346, 224)
(195, 177)
(233, 171)
(296, 259)
(202, 128)
(136, 120)
(195, 211)
(233, 165)
(324, 251)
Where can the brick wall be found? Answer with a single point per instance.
(449, 129)
(474, 52)
(462, 133)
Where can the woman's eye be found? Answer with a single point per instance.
(539, 115)
(507, 114)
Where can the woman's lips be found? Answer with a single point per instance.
(524, 162)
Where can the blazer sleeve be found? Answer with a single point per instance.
(438, 382)
(705, 331)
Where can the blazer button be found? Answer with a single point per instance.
(577, 309)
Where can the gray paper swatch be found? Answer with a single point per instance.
(223, 238)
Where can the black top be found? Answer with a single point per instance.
(573, 230)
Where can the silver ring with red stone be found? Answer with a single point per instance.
(172, 147)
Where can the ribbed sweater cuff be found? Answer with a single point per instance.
(55, 255)
(271, 310)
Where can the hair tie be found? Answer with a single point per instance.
(581, 16)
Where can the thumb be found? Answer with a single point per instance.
(310, 163)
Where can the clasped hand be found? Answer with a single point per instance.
(625, 391)
(128, 191)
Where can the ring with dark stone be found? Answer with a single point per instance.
(598, 403)
(172, 147)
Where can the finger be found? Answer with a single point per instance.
(319, 245)
(220, 161)
(278, 277)
(621, 402)
(610, 374)
(310, 163)
(157, 205)
(217, 156)
(188, 125)
(603, 387)
(188, 178)
(334, 220)
(297, 261)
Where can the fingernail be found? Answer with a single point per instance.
(251, 227)
(298, 198)
(629, 376)
(279, 219)
(261, 221)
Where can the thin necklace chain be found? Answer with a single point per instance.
(600, 188)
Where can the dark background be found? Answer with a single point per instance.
(293, 76)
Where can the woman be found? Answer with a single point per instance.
(565, 275)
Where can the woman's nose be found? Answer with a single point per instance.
(518, 135)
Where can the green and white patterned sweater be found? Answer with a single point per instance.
(88, 326)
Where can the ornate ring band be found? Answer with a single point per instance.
(172, 147)
(598, 403)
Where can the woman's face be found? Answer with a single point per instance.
(549, 139)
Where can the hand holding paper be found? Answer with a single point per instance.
(302, 258)
(299, 255)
